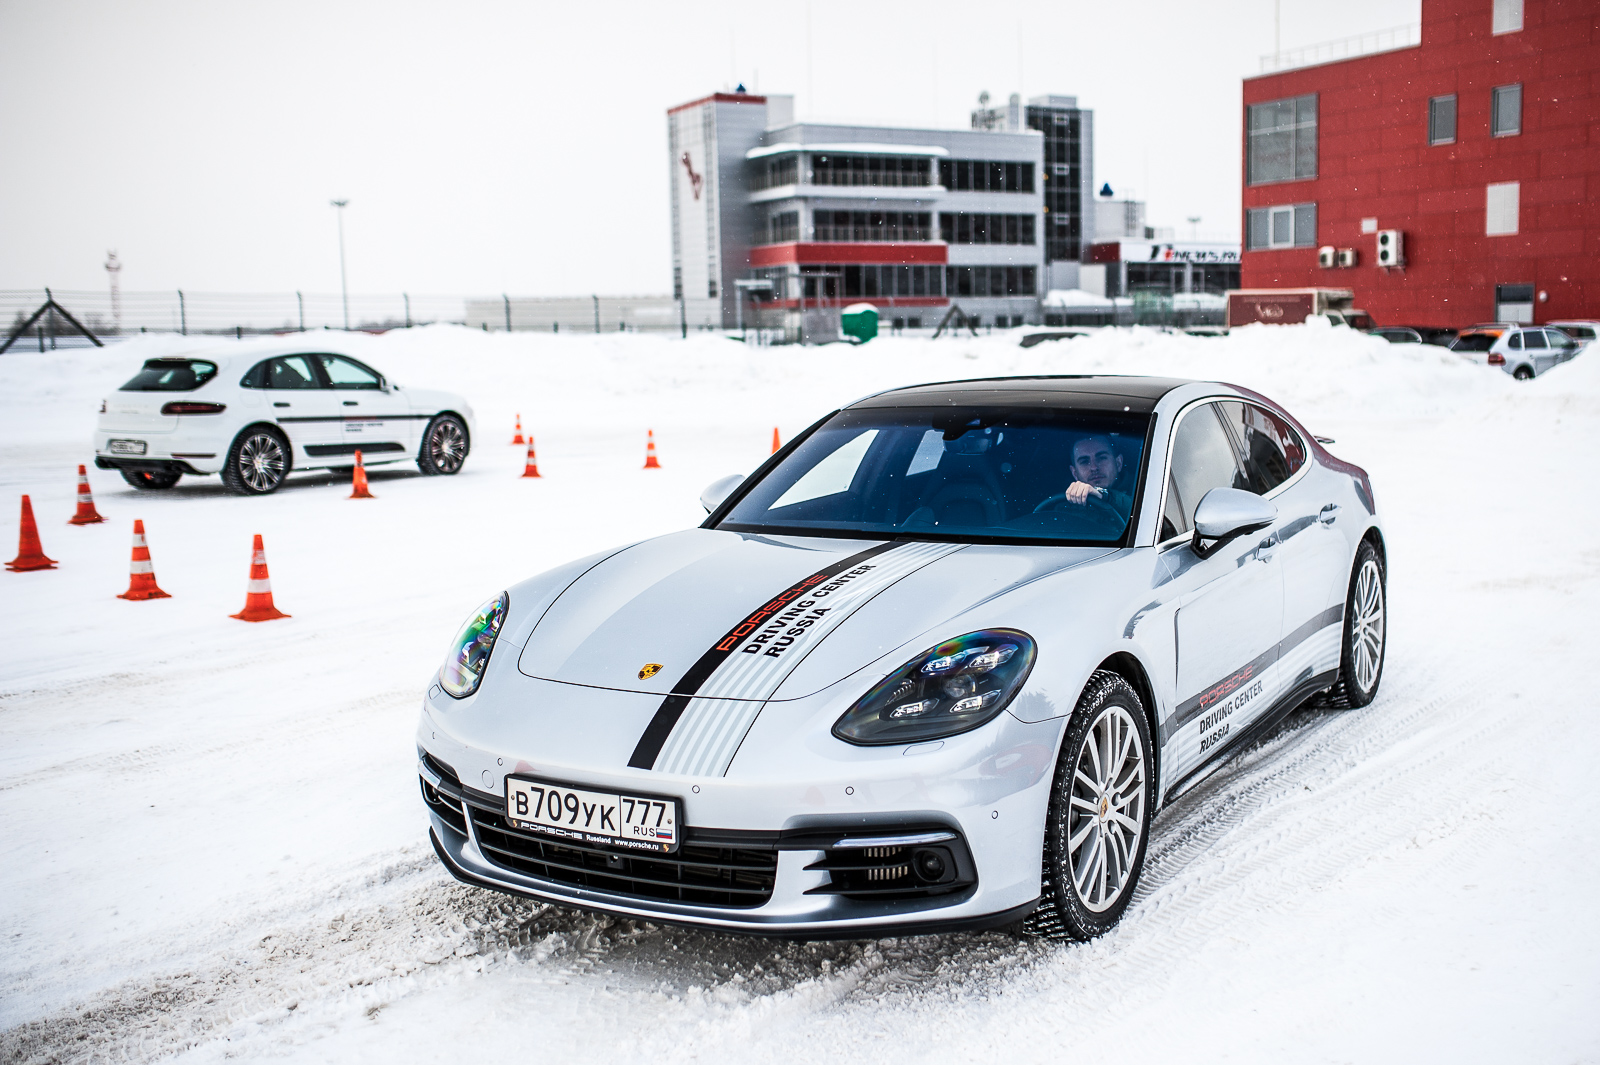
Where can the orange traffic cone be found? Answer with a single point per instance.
(775, 442)
(518, 438)
(258, 593)
(650, 462)
(141, 574)
(86, 514)
(531, 468)
(358, 481)
(30, 553)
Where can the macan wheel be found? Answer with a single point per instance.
(1099, 817)
(149, 480)
(444, 446)
(1365, 630)
(257, 462)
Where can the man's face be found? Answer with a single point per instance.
(1093, 462)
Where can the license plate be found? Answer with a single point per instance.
(126, 447)
(618, 819)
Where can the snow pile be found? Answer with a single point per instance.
(217, 846)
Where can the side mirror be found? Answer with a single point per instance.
(1226, 512)
(718, 490)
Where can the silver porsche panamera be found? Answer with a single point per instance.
(936, 665)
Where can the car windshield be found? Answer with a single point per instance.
(978, 473)
(1474, 342)
(171, 375)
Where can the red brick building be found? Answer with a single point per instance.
(1480, 146)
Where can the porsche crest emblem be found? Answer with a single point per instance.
(650, 669)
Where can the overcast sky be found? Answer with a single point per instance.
(521, 147)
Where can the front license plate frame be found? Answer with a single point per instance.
(653, 823)
(127, 447)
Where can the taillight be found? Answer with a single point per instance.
(194, 408)
(1496, 359)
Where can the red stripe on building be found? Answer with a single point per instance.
(932, 253)
(719, 98)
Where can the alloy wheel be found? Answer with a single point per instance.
(261, 462)
(447, 446)
(1367, 627)
(1107, 817)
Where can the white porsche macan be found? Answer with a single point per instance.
(936, 665)
(255, 412)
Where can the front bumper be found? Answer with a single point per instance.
(773, 866)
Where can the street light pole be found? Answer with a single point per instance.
(344, 287)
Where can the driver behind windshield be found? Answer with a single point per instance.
(1096, 467)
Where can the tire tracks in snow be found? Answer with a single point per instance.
(1289, 815)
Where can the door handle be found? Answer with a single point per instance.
(349, 402)
(1330, 514)
(1267, 548)
(280, 404)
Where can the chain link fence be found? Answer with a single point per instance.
(253, 314)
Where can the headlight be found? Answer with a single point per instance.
(469, 654)
(951, 688)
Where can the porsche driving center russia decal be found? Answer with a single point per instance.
(701, 724)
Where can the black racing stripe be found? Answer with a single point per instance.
(1192, 708)
(673, 706)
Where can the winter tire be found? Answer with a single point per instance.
(150, 480)
(1366, 627)
(257, 462)
(1523, 374)
(1098, 821)
(444, 446)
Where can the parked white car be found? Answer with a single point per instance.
(1523, 351)
(253, 415)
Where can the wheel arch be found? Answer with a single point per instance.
(466, 423)
(1126, 665)
(272, 427)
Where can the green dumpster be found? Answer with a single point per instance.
(860, 321)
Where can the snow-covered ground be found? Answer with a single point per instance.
(215, 846)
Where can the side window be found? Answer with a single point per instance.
(1535, 339)
(1270, 451)
(291, 371)
(1203, 458)
(1515, 343)
(342, 373)
(256, 378)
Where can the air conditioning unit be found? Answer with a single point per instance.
(1348, 257)
(1391, 248)
(1325, 256)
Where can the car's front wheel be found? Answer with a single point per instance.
(444, 446)
(257, 462)
(151, 480)
(1099, 817)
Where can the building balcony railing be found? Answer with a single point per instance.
(1347, 48)
(871, 178)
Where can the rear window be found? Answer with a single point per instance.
(1578, 332)
(1474, 342)
(171, 375)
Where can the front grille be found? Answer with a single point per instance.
(698, 873)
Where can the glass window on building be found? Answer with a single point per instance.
(1282, 140)
(1506, 117)
(1442, 120)
(1289, 226)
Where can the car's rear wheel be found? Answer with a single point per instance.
(1366, 630)
(444, 446)
(150, 480)
(1098, 822)
(1522, 373)
(257, 462)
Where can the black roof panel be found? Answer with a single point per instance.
(1089, 391)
